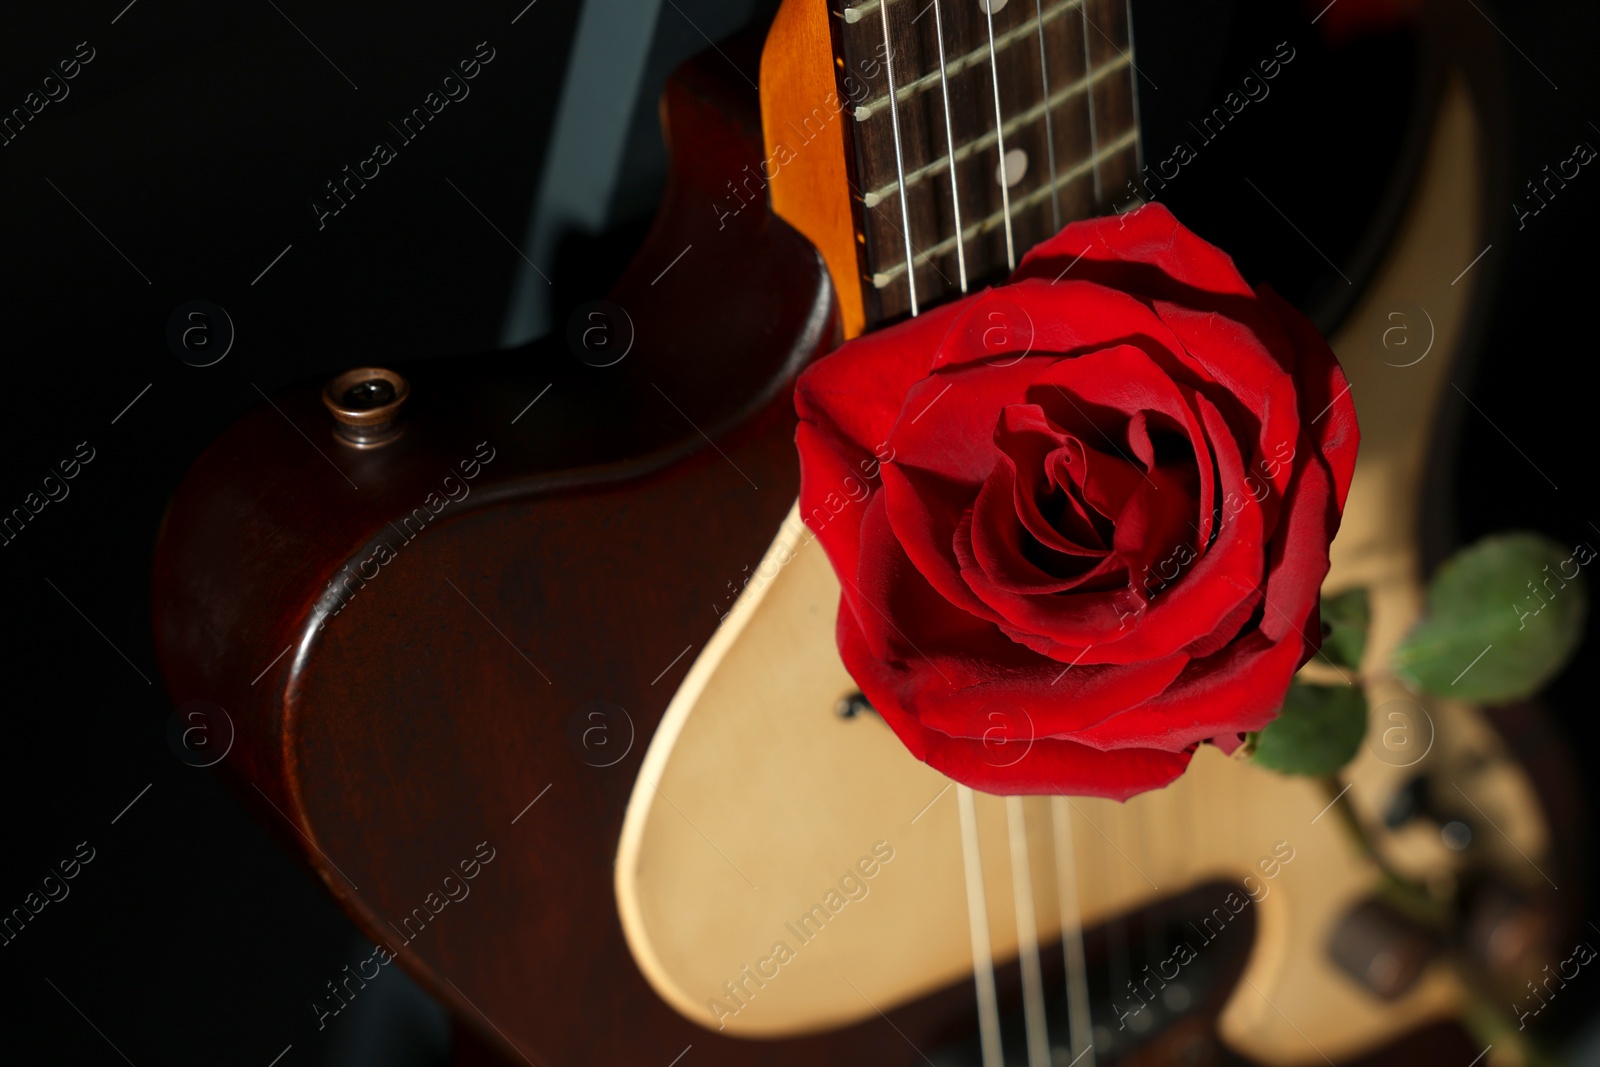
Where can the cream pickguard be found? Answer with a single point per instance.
(755, 798)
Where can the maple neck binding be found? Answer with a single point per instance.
(923, 148)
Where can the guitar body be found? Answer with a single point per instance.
(446, 658)
(753, 720)
(383, 747)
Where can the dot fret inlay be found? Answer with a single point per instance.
(936, 212)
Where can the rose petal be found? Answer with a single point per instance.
(1132, 250)
(1037, 458)
(1126, 410)
(1254, 390)
(949, 668)
(989, 560)
(831, 395)
(1240, 688)
(1071, 318)
(1049, 766)
(1326, 405)
(1298, 555)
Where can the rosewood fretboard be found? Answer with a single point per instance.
(1063, 72)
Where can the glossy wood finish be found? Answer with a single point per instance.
(831, 154)
(756, 705)
(1069, 152)
(592, 548)
(439, 701)
(806, 167)
(437, 726)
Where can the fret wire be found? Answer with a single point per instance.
(877, 196)
(950, 149)
(1049, 127)
(866, 110)
(884, 278)
(855, 14)
(1094, 150)
(1000, 143)
(899, 163)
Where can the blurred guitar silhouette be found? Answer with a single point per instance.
(480, 613)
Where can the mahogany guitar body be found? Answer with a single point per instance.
(451, 686)
(445, 657)
(456, 683)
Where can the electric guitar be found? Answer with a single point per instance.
(556, 646)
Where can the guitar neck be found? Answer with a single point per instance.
(924, 147)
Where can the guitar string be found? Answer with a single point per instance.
(1127, 885)
(1038, 1041)
(911, 258)
(887, 276)
(1122, 955)
(950, 148)
(1079, 1019)
(1000, 137)
(1133, 85)
(1080, 1025)
(1021, 120)
(1038, 1037)
(1157, 915)
(899, 161)
(1049, 124)
(1094, 142)
(978, 928)
(1017, 34)
(1112, 888)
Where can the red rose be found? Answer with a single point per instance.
(1081, 520)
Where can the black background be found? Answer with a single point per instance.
(194, 141)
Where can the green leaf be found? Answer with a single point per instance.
(1317, 732)
(1347, 616)
(1504, 615)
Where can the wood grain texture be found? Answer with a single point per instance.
(1077, 49)
(835, 173)
(752, 758)
(803, 120)
(385, 747)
